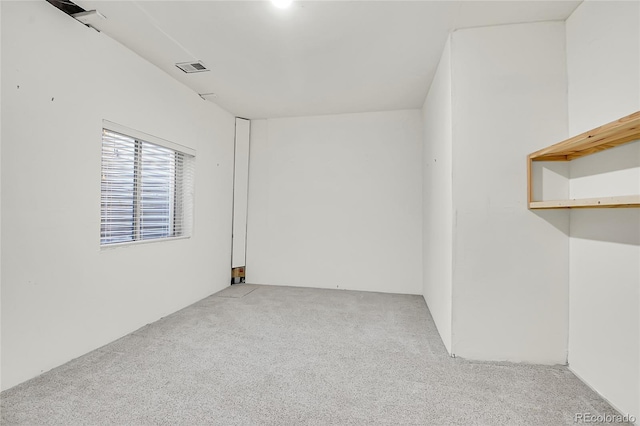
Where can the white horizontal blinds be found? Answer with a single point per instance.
(183, 194)
(147, 190)
(157, 191)
(118, 188)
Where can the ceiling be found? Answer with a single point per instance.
(317, 57)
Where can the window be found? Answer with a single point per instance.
(146, 190)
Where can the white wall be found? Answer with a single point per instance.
(61, 295)
(510, 279)
(603, 61)
(437, 201)
(335, 202)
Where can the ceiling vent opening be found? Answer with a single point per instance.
(190, 67)
(67, 6)
(90, 18)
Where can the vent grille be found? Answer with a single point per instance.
(190, 67)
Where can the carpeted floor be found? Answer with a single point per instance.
(266, 355)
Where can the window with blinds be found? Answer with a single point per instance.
(147, 190)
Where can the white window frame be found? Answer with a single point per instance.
(145, 137)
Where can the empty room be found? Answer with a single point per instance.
(291, 212)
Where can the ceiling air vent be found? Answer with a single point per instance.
(190, 67)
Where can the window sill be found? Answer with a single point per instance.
(141, 242)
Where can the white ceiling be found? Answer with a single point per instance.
(317, 57)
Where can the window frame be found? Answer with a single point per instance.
(139, 138)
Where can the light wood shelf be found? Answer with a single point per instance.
(602, 202)
(616, 133)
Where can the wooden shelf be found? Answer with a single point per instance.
(602, 202)
(616, 133)
(610, 135)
